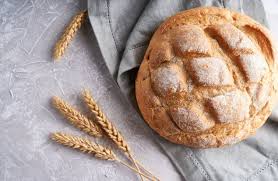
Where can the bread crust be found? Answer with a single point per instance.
(189, 96)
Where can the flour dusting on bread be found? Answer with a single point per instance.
(190, 38)
(210, 71)
(230, 107)
(254, 66)
(168, 79)
(233, 37)
(189, 120)
(212, 77)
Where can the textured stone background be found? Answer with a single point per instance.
(29, 78)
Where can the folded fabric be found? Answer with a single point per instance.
(123, 29)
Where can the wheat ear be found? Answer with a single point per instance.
(76, 118)
(86, 146)
(69, 34)
(108, 127)
(105, 124)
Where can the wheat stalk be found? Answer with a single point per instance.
(86, 146)
(105, 124)
(76, 118)
(69, 34)
(108, 127)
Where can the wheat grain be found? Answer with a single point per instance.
(76, 118)
(69, 34)
(108, 127)
(105, 124)
(86, 146)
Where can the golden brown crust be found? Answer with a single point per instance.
(208, 78)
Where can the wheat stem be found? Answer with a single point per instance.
(135, 170)
(76, 118)
(86, 146)
(140, 165)
(134, 162)
(69, 34)
(107, 126)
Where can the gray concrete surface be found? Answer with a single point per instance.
(29, 78)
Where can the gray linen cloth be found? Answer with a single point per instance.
(123, 29)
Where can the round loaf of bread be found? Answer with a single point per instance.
(208, 78)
